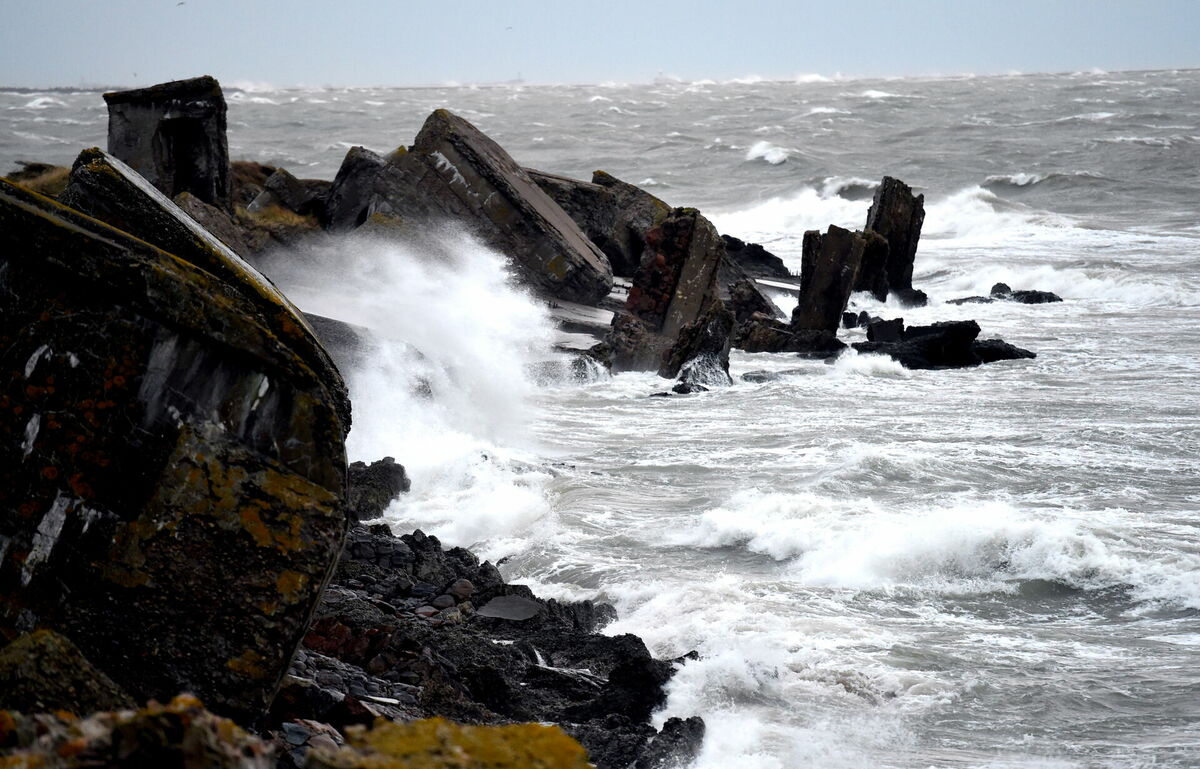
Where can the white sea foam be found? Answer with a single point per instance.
(827, 111)
(764, 150)
(969, 547)
(446, 391)
(44, 102)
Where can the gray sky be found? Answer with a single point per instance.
(377, 42)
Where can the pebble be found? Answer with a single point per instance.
(443, 602)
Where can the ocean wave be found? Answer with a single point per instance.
(1053, 179)
(849, 187)
(447, 388)
(968, 548)
(44, 102)
(1115, 285)
(764, 150)
(811, 78)
(827, 111)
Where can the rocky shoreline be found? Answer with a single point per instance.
(176, 510)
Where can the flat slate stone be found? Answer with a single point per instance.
(510, 607)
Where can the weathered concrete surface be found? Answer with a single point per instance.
(174, 135)
(897, 215)
(828, 269)
(103, 187)
(454, 173)
(172, 469)
(675, 284)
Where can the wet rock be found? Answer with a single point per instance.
(373, 487)
(886, 330)
(897, 215)
(43, 672)
(614, 742)
(103, 187)
(306, 197)
(829, 267)
(756, 261)
(241, 240)
(613, 214)
(677, 744)
(745, 299)
(700, 355)
(1002, 291)
(675, 284)
(461, 589)
(510, 607)
(764, 334)
(849, 320)
(347, 344)
(177, 527)
(454, 172)
(972, 300)
(992, 350)
(248, 178)
(350, 198)
(179, 735)
(941, 345)
(173, 134)
(436, 744)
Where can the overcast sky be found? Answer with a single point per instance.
(382, 42)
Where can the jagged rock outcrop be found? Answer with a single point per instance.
(700, 355)
(103, 187)
(763, 333)
(829, 267)
(173, 134)
(675, 284)
(1001, 292)
(756, 261)
(172, 471)
(306, 197)
(949, 344)
(455, 173)
(374, 486)
(613, 214)
(897, 215)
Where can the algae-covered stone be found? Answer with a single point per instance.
(455, 174)
(103, 187)
(174, 135)
(172, 470)
(439, 744)
(178, 735)
(43, 672)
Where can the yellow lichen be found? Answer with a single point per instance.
(249, 663)
(291, 585)
(436, 743)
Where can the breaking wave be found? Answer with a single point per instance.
(763, 150)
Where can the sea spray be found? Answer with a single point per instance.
(446, 383)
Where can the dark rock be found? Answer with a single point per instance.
(350, 197)
(745, 300)
(911, 297)
(454, 172)
(1002, 291)
(676, 745)
(462, 589)
(248, 178)
(103, 187)
(172, 491)
(306, 197)
(178, 735)
(346, 343)
(614, 742)
(302, 698)
(992, 350)
(613, 214)
(444, 602)
(829, 267)
(941, 345)
(675, 284)
(886, 330)
(763, 334)
(43, 672)
(510, 607)
(897, 215)
(173, 134)
(972, 300)
(755, 260)
(700, 355)
(688, 388)
(373, 487)
(849, 320)
(241, 240)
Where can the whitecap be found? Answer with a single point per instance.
(763, 150)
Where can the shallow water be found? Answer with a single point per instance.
(996, 567)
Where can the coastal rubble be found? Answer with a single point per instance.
(172, 476)
(173, 134)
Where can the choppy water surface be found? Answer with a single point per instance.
(989, 568)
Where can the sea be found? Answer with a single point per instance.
(994, 567)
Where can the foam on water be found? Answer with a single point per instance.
(447, 388)
(764, 150)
